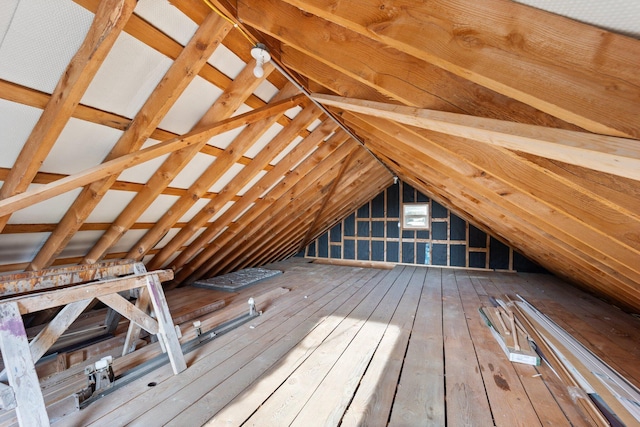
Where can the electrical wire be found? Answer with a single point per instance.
(301, 88)
(229, 20)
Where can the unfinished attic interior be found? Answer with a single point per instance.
(306, 212)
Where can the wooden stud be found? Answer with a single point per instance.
(167, 331)
(30, 407)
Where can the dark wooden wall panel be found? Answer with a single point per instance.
(373, 233)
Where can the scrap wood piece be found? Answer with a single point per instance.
(30, 407)
(58, 297)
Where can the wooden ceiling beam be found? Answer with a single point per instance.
(613, 155)
(590, 78)
(180, 74)
(395, 74)
(296, 155)
(216, 171)
(113, 167)
(309, 169)
(134, 187)
(111, 17)
(226, 104)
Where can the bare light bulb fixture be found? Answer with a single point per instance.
(260, 54)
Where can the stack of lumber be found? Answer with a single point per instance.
(605, 395)
(509, 332)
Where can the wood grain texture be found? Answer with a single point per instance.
(617, 156)
(509, 48)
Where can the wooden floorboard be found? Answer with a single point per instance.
(365, 347)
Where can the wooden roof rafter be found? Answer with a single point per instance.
(180, 74)
(299, 203)
(465, 188)
(364, 173)
(232, 98)
(241, 143)
(213, 243)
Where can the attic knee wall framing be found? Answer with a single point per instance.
(373, 233)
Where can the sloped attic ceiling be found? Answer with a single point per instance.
(236, 168)
(237, 177)
(499, 60)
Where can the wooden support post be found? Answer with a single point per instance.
(131, 312)
(30, 407)
(133, 333)
(167, 332)
(50, 334)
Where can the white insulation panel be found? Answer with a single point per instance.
(264, 139)
(128, 75)
(40, 40)
(86, 143)
(16, 123)
(23, 247)
(194, 102)
(49, 211)
(167, 18)
(190, 174)
(620, 16)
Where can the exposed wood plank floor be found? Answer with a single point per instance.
(355, 347)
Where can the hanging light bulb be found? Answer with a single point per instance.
(260, 54)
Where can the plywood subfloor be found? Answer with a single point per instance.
(352, 346)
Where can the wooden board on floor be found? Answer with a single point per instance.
(358, 346)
